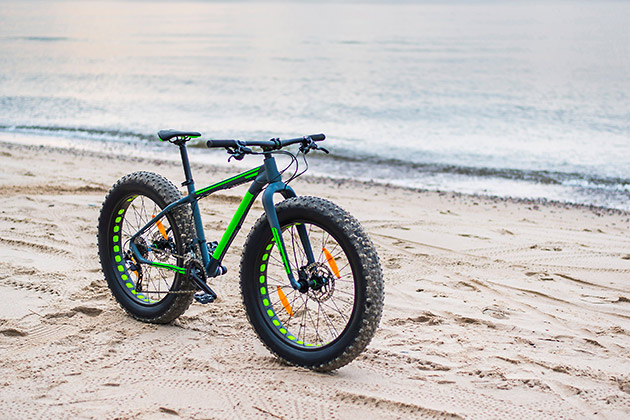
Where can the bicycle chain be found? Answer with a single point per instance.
(174, 292)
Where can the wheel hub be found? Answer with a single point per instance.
(318, 280)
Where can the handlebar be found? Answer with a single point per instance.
(265, 144)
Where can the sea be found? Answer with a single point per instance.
(525, 99)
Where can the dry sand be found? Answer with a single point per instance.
(493, 309)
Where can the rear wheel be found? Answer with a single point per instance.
(145, 290)
(332, 318)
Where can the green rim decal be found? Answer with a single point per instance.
(272, 316)
(118, 255)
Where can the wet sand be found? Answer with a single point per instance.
(494, 309)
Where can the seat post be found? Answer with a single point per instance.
(189, 182)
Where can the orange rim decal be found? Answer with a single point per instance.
(331, 263)
(285, 301)
(160, 227)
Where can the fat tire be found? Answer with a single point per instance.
(162, 192)
(366, 269)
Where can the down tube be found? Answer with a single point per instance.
(231, 231)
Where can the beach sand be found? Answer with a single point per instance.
(494, 309)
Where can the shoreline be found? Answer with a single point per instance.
(321, 178)
(494, 308)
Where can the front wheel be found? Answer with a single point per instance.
(328, 323)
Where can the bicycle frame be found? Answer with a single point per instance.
(264, 175)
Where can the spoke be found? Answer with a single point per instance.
(336, 308)
(334, 248)
(271, 256)
(321, 248)
(333, 332)
(344, 292)
(293, 244)
(295, 237)
(306, 311)
(278, 302)
(282, 286)
(281, 283)
(295, 310)
(318, 338)
(342, 268)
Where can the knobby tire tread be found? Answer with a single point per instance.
(370, 270)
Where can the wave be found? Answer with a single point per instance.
(365, 163)
(538, 176)
(81, 132)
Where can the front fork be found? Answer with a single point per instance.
(276, 230)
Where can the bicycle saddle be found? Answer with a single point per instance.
(166, 135)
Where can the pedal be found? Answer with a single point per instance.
(204, 298)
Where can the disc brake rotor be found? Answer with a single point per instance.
(324, 281)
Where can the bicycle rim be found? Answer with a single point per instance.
(320, 316)
(146, 284)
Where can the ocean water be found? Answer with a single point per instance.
(512, 98)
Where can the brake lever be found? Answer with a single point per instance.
(312, 146)
(238, 152)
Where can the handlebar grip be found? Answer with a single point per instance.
(317, 137)
(221, 143)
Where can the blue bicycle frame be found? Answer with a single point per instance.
(265, 175)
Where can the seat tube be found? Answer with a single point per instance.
(194, 205)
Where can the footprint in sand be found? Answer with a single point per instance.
(425, 318)
(495, 312)
(89, 311)
(12, 332)
(466, 286)
(541, 275)
(392, 263)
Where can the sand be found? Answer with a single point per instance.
(494, 309)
